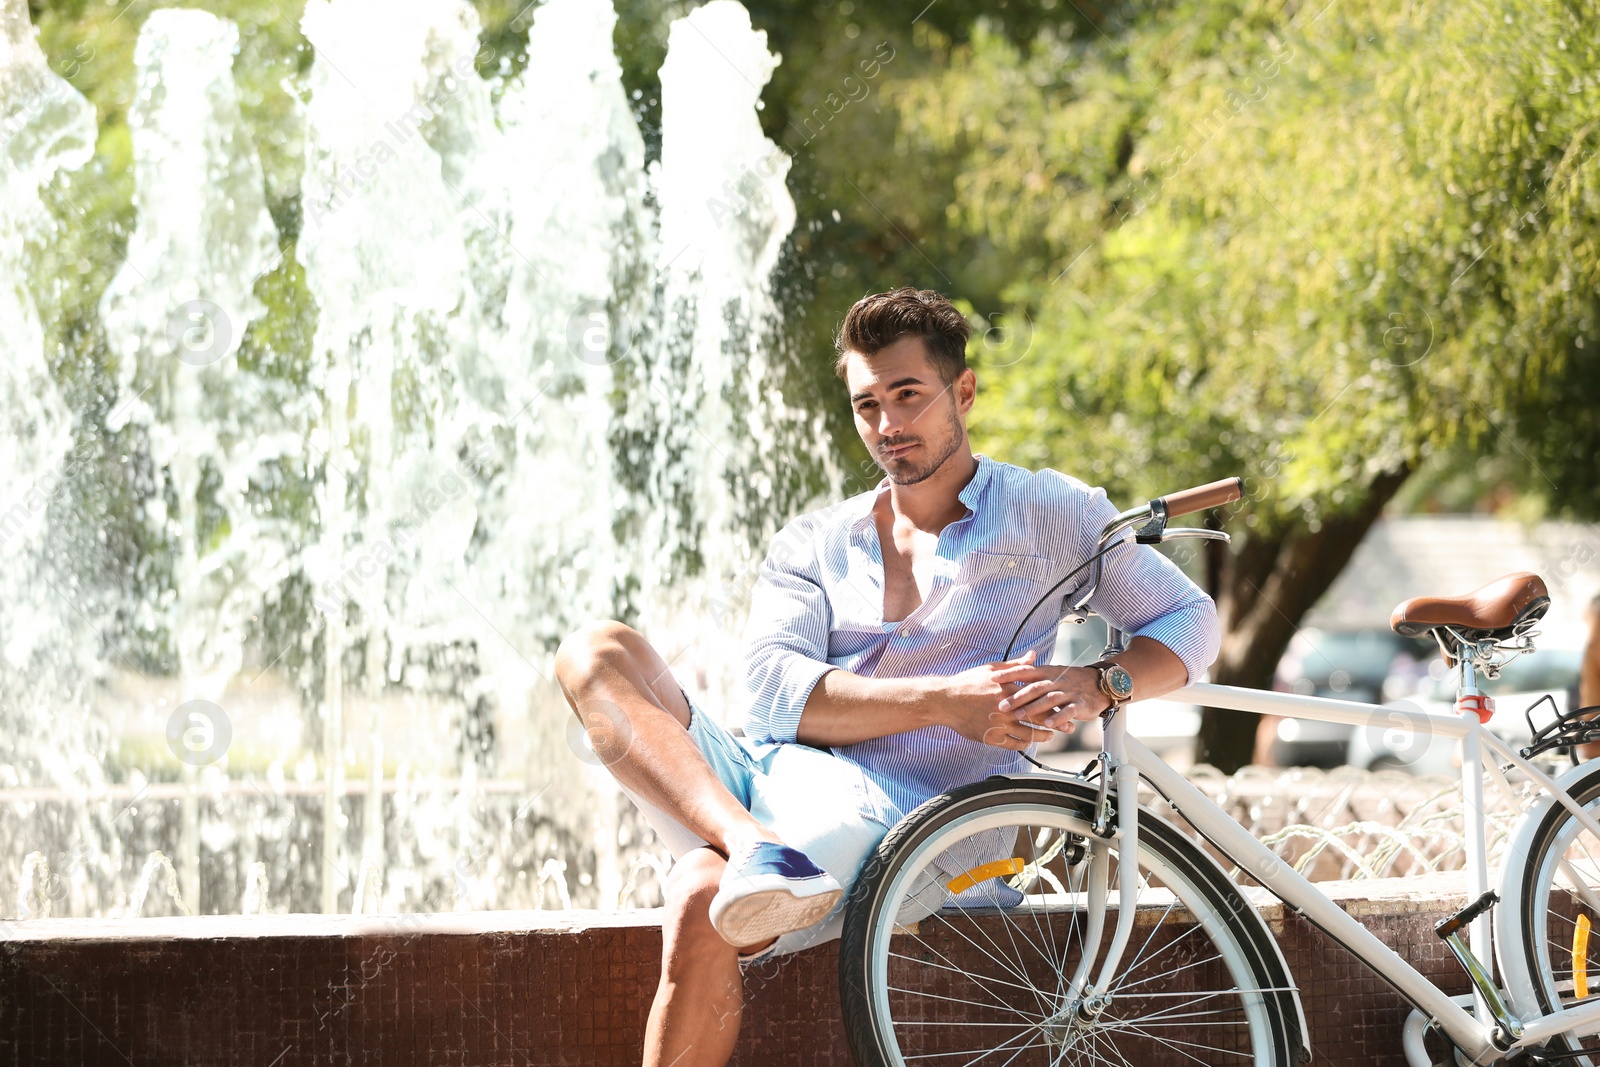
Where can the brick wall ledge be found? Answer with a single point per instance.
(245, 927)
(530, 987)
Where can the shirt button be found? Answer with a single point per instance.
(905, 631)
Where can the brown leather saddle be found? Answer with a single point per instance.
(1498, 611)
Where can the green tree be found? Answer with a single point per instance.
(1310, 245)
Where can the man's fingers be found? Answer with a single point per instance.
(1070, 713)
(1039, 710)
(1010, 732)
(999, 738)
(1023, 673)
(1031, 692)
(1024, 660)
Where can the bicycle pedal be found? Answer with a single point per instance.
(1507, 1028)
(1445, 927)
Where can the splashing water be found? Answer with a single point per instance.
(33, 897)
(46, 128)
(157, 866)
(520, 379)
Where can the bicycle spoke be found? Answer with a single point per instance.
(1173, 1043)
(1099, 1040)
(1008, 925)
(952, 1022)
(1165, 1015)
(958, 1000)
(950, 925)
(1083, 933)
(975, 858)
(982, 1052)
(1020, 1050)
(1009, 1059)
(952, 968)
(1171, 971)
(1056, 965)
(1155, 928)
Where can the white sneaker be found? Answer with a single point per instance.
(769, 890)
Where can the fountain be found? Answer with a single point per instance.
(493, 375)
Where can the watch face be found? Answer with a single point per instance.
(1118, 682)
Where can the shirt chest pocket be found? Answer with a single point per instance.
(999, 588)
(1000, 567)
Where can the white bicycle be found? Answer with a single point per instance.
(1000, 923)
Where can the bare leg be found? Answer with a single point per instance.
(638, 719)
(695, 1017)
(622, 692)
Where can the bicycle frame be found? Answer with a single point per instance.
(1482, 1033)
(1474, 1035)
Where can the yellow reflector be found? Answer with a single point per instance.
(1580, 957)
(997, 869)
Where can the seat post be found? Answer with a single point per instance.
(1469, 674)
(1470, 701)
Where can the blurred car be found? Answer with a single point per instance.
(1523, 682)
(1341, 665)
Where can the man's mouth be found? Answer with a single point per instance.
(896, 451)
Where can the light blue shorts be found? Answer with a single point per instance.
(812, 799)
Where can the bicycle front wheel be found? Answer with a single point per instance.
(1554, 898)
(966, 931)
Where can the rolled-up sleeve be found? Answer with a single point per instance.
(786, 637)
(1144, 594)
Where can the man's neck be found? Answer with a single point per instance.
(935, 502)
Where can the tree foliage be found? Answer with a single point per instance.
(1312, 249)
(1309, 244)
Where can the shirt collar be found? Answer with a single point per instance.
(859, 508)
(973, 493)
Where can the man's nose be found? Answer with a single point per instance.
(890, 422)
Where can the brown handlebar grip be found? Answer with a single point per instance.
(1201, 497)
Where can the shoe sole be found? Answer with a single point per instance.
(772, 913)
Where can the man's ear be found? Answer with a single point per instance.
(966, 390)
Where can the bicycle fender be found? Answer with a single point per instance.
(1508, 946)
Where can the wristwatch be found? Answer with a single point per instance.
(1115, 682)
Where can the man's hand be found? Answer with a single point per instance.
(1067, 695)
(1009, 704)
(987, 703)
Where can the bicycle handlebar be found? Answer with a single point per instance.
(1201, 497)
(1158, 511)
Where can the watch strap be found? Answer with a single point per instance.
(1100, 667)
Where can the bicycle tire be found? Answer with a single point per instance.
(1212, 904)
(1546, 935)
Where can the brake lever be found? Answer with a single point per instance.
(1184, 532)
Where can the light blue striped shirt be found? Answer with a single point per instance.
(818, 605)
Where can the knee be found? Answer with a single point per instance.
(588, 646)
(690, 887)
(692, 883)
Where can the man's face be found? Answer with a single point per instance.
(909, 419)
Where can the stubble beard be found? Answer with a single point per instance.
(906, 473)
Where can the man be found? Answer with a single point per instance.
(1587, 691)
(873, 659)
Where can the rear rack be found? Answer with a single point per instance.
(1567, 730)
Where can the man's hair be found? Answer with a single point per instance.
(879, 320)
